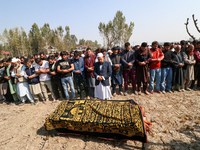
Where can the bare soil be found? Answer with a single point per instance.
(175, 118)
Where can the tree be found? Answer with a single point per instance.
(81, 42)
(45, 32)
(195, 23)
(35, 38)
(116, 31)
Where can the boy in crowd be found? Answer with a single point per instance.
(55, 78)
(42, 69)
(65, 67)
(79, 74)
(33, 81)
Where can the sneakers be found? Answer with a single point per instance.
(159, 92)
(151, 92)
(188, 89)
(163, 92)
(169, 91)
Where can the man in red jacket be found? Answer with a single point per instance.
(89, 69)
(155, 67)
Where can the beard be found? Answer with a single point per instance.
(17, 66)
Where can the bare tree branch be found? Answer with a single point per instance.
(195, 23)
(186, 24)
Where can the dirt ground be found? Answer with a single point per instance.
(175, 118)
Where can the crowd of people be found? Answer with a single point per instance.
(169, 67)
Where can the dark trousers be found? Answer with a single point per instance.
(144, 85)
(196, 77)
(114, 88)
(8, 95)
(126, 75)
(57, 86)
(91, 90)
(79, 80)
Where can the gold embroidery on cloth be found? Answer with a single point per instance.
(97, 116)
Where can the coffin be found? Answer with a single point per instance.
(111, 120)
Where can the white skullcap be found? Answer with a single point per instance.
(99, 55)
(14, 60)
(110, 51)
(18, 59)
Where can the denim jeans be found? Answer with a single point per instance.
(155, 73)
(166, 75)
(68, 80)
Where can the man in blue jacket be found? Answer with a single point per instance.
(102, 72)
(79, 74)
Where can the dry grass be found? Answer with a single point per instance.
(175, 118)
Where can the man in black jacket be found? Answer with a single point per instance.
(117, 76)
(55, 78)
(166, 68)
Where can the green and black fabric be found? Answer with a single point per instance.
(113, 120)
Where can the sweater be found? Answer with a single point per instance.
(154, 63)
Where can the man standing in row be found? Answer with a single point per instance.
(166, 68)
(117, 76)
(89, 68)
(197, 67)
(55, 78)
(178, 69)
(188, 69)
(42, 69)
(79, 74)
(143, 56)
(65, 67)
(128, 59)
(155, 67)
(102, 72)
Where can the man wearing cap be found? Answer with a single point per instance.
(22, 84)
(117, 76)
(110, 52)
(102, 72)
(166, 68)
(128, 59)
(142, 57)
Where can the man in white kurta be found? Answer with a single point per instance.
(102, 72)
(22, 86)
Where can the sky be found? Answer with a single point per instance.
(161, 20)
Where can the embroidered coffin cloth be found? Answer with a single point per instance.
(117, 120)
